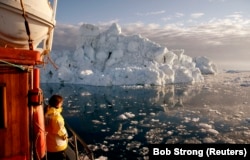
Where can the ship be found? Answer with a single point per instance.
(26, 36)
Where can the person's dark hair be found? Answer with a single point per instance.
(55, 100)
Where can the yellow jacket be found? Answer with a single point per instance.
(57, 135)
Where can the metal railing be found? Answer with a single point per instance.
(77, 138)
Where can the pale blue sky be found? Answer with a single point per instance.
(148, 11)
(218, 29)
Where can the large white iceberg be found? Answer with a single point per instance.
(104, 58)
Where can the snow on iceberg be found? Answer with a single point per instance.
(104, 58)
(205, 65)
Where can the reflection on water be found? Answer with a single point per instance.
(119, 122)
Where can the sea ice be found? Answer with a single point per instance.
(122, 116)
(205, 126)
(205, 65)
(102, 158)
(195, 119)
(129, 114)
(170, 133)
(212, 131)
(208, 140)
(96, 121)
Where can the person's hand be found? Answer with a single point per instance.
(64, 137)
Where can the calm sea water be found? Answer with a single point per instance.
(120, 122)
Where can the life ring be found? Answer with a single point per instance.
(39, 137)
(39, 133)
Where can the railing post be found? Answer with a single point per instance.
(76, 148)
(76, 138)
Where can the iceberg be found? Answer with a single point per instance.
(109, 57)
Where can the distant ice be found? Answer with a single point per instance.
(126, 115)
(212, 131)
(205, 65)
(208, 140)
(205, 126)
(105, 58)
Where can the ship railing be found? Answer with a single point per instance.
(73, 145)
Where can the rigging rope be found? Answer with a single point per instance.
(14, 65)
(42, 131)
(26, 23)
(30, 41)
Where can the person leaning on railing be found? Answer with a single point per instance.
(57, 136)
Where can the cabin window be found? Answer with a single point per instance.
(3, 113)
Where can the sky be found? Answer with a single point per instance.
(218, 29)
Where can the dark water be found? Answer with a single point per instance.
(120, 122)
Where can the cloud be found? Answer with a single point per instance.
(166, 18)
(108, 22)
(176, 15)
(151, 13)
(179, 15)
(220, 39)
(217, 0)
(196, 15)
(65, 36)
(223, 40)
(236, 15)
